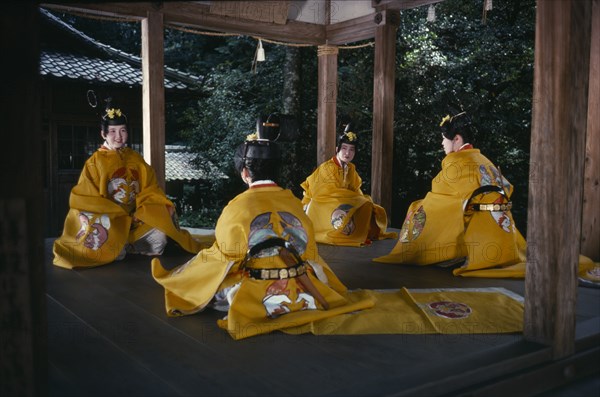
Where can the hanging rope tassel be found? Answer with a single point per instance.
(431, 13)
(259, 55)
(487, 6)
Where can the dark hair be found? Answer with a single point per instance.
(248, 154)
(263, 169)
(260, 154)
(458, 124)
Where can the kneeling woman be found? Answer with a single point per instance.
(117, 206)
(334, 202)
(466, 219)
(466, 216)
(263, 269)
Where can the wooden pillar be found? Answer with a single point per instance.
(384, 80)
(326, 110)
(153, 93)
(590, 228)
(560, 104)
(23, 326)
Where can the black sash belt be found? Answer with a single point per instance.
(296, 267)
(275, 273)
(489, 207)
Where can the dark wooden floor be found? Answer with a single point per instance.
(108, 334)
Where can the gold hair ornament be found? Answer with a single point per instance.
(446, 118)
(351, 136)
(252, 137)
(112, 112)
(449, 118)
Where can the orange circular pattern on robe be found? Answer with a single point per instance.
(338, 216)
(451, 310)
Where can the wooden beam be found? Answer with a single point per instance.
(560, 103)
(23, 349)
(362, 28)
(383, 108)
(326, 111)
(189, 14)
(590, 228)
(193, 15)
(153, 92)
(125, 10)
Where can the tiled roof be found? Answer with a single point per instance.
(179, 165)
(79, 67)
(119, 67)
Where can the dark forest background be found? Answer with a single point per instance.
(482, 65)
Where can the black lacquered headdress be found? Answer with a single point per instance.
(113, 115)
(260, 144)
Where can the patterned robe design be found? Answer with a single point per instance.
(115, 202)
(340, 212)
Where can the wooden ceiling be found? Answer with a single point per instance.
(316, 22)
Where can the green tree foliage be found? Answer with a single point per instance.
(485, 69)
(235, 95)
(355, 103)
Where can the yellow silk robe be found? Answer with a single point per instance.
(256, 306)
(340, 212)
(116, 201)
(438, 229)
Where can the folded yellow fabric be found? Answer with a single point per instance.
(451, 311)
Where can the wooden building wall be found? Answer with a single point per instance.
(23, 325)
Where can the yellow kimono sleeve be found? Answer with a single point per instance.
(152, 208)
(191, 286)
(495, 247)
(432, 232)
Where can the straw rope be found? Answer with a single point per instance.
(327, 50)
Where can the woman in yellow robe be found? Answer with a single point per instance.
(340, 212)
(264, 269)
(116, 206)
(466, 216)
